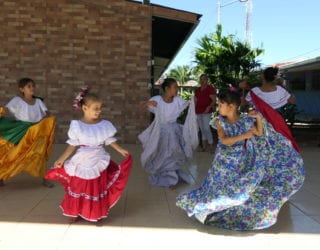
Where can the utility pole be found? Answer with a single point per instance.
(248, 22)
(248, 33)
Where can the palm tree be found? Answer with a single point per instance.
(224, 59)
(182, 74)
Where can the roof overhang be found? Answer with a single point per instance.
(171, 28)
(168, 37)
(306, 65)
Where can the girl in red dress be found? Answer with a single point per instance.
(93, 183)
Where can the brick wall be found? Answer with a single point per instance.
(66, 44)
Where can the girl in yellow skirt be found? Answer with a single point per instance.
(26, 134)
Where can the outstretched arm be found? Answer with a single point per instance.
(144, 105)
(233, 139)
(118, 148)
(65, 155)
(291, 100)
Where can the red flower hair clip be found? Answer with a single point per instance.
(232, 89)
(78, 100)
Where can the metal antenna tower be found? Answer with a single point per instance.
(248, 21)
(248, 33)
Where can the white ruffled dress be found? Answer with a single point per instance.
(93, 182)
(168, 145)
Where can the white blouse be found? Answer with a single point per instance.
(168, 112)
(26, 112)
(91, 158)
(101, 133)
(276, 99)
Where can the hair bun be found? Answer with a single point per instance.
(275, 70)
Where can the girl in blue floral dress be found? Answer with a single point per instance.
(254, 172)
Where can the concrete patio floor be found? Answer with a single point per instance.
(146, 217)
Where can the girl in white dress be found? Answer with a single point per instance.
(26, 134)
(268, 99)
(167, 145)
(93, 183)
(271, 93)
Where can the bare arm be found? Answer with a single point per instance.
(212, 104)
(65, 155)
(118, 148)
(2, 111)
(144, 105)
(214, 99)
(291, 100)
(233, 139)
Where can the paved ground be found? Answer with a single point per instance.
(146, 217)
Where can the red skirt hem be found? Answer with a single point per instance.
(92, 199)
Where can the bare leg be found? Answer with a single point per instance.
(173, 187)
(74, 219)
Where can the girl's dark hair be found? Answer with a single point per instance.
(88, 98)
(24, 81)
(167, 83)
(270, 74)
(230, 96)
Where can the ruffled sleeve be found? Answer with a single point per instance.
(110, 133)
(248, 96)
(183, 104)
(73, 134)
(42, 106)
(13, 105)
(284, 94)
(156, 99)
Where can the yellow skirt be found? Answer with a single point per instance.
(31, 153)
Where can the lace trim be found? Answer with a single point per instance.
(86, 196)
(91, 197)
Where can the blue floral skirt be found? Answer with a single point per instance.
(247, 184)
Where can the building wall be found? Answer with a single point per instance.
(66, 44)
(304, 80)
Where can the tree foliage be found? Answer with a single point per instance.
(225, 59)
(182, 74)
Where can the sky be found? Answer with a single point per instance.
(288, 30)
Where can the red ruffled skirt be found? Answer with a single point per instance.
(92, 199)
